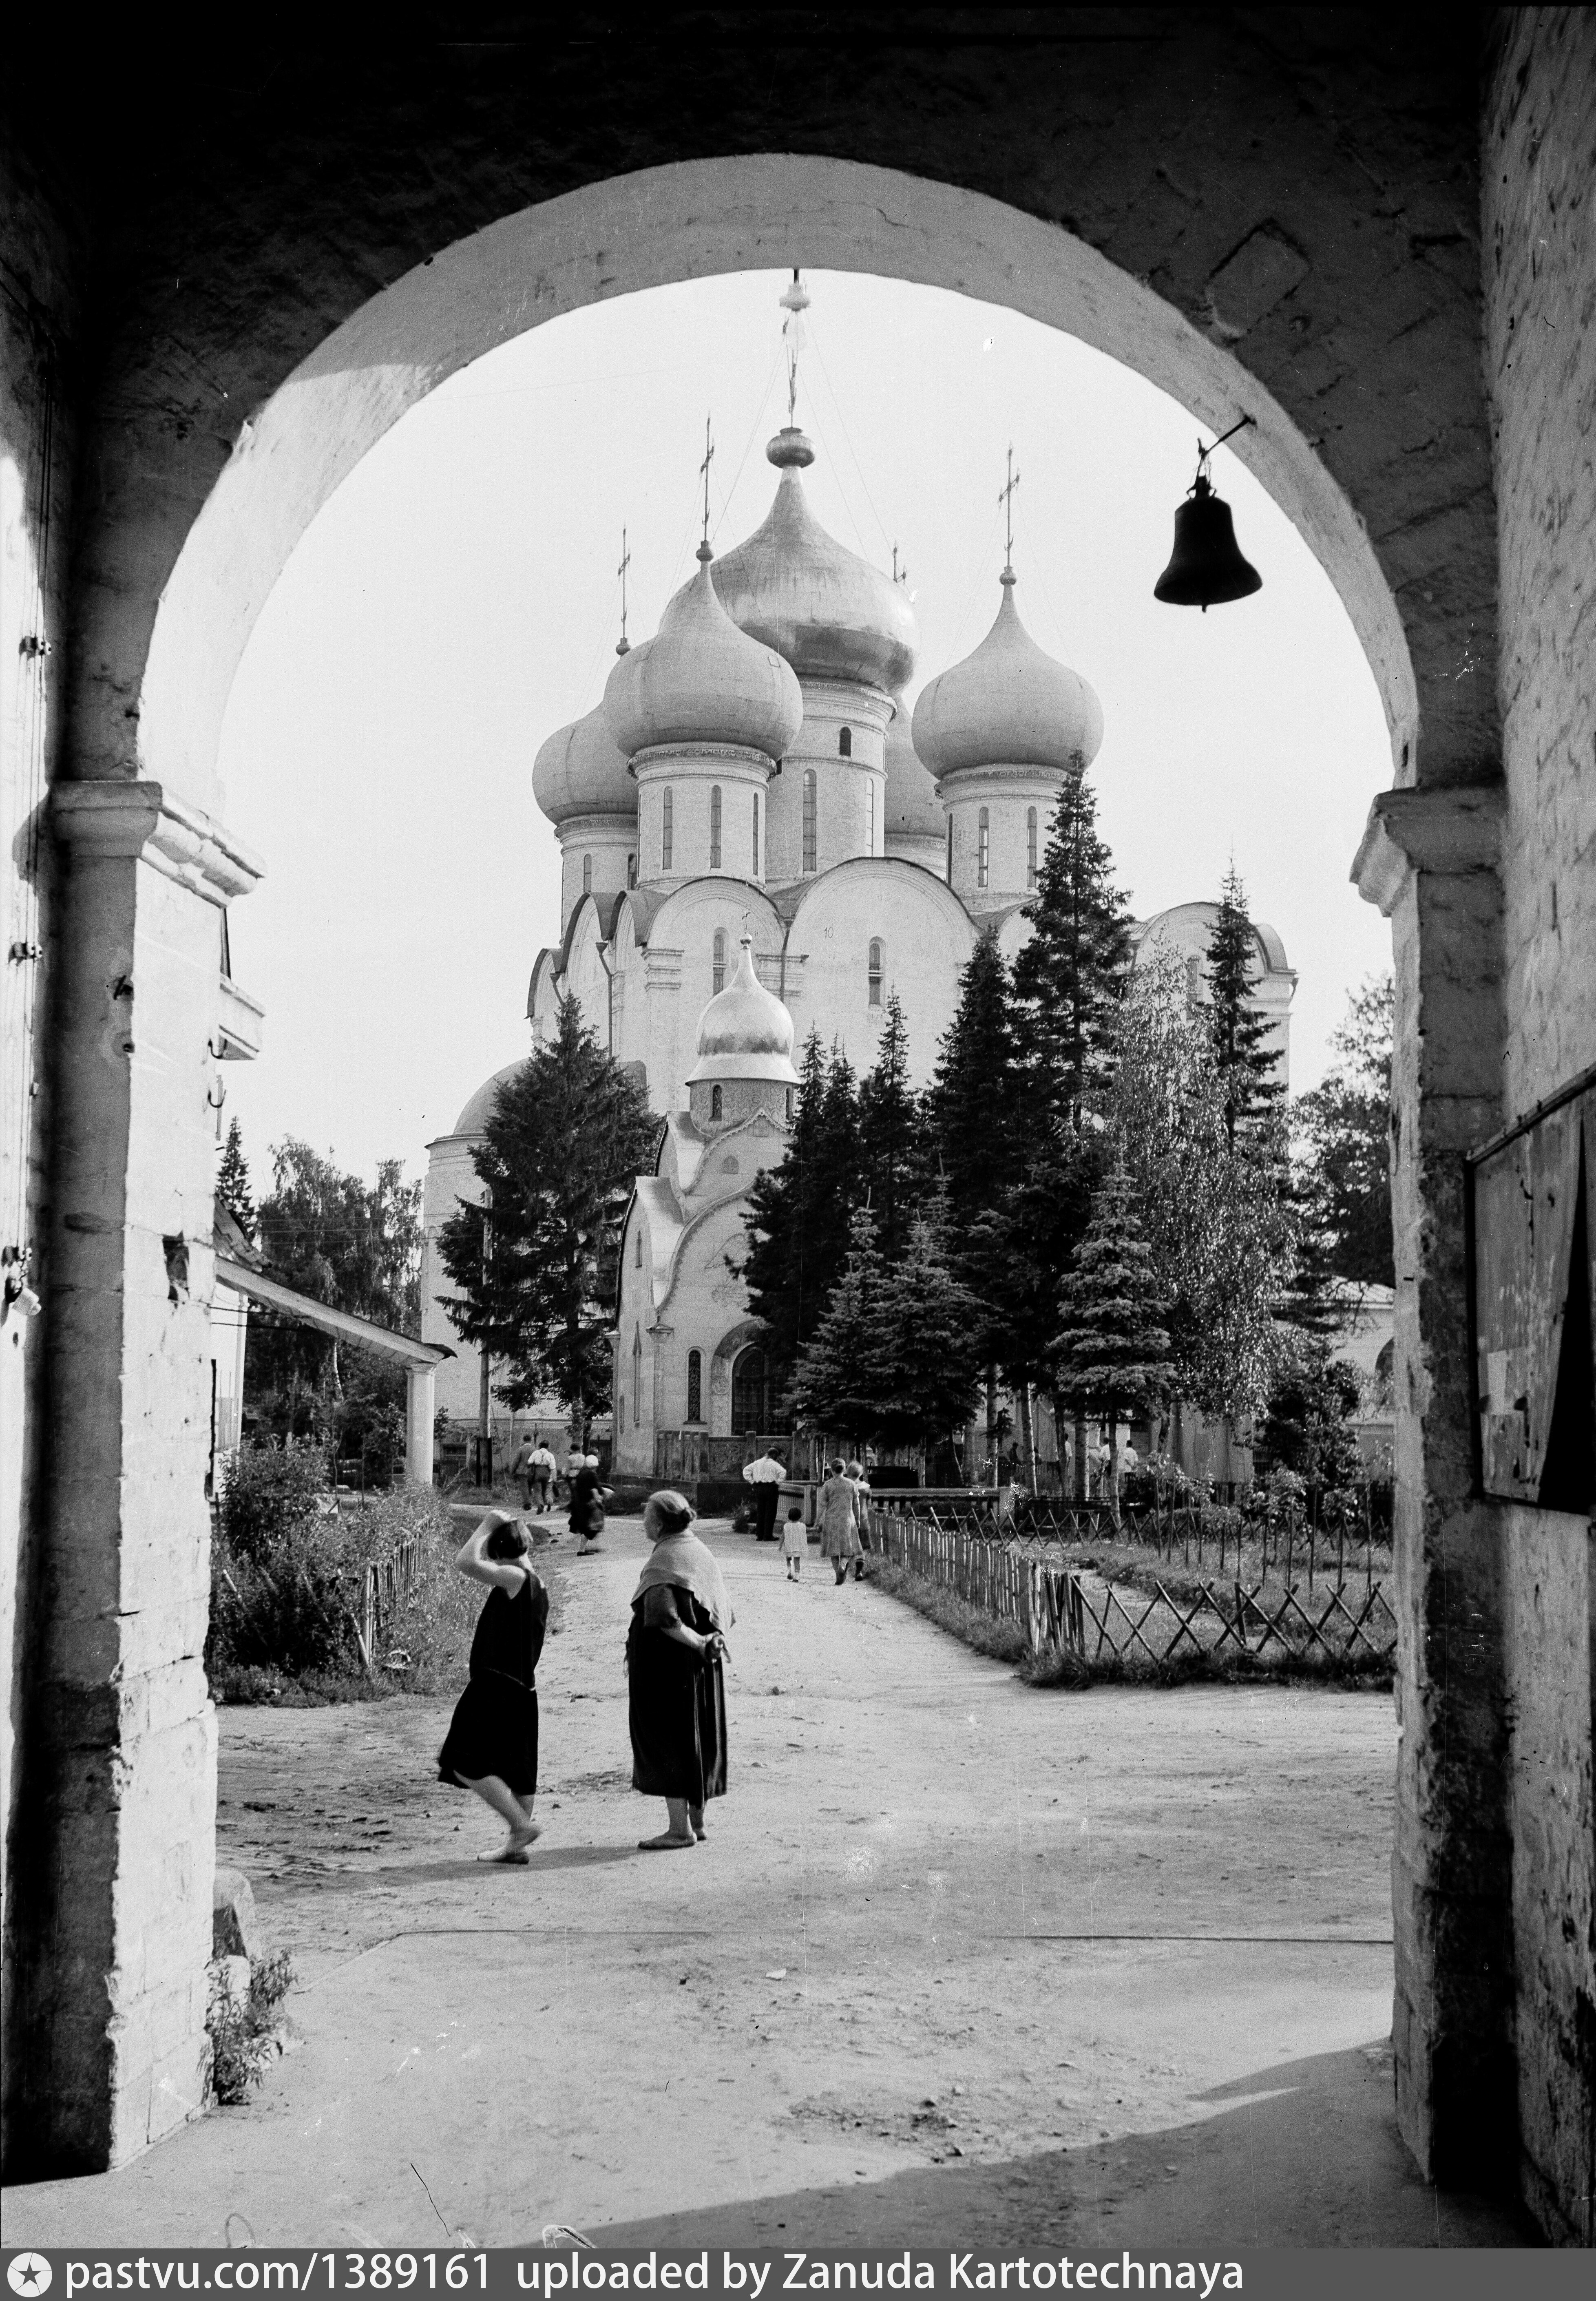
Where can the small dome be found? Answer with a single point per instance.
(473, 1119)
(912, 810)
(1008, 705)
(579, 771)
(830, 613)
(699, 680)
(744, 1033)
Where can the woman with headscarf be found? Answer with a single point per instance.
(491, 1745)
(588, 1499)
(676, 1648)
(837, 1508)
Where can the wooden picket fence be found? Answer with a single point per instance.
(387, 1583)
(1060, 1610)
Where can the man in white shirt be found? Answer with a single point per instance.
(765, 1475)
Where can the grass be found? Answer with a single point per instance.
(1005, 1641)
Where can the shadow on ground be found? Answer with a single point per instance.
(1304, 2154)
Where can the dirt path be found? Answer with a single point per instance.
(959, 1960)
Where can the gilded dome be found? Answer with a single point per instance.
(579, 771)
(913, 809)
(745, 1033)
(1008, 705)
(830, 613)
(700, 680)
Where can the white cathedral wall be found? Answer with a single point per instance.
(850, 793)
(692, 774)
(450, 1178)
(662, 988)
(1007, 794)
(597, 853)
(927, 939)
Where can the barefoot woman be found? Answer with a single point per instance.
(491, 1745)
(674, 1650)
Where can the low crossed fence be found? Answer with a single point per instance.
(1057, 1608)
(387, 1581)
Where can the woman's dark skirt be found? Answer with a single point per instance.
(678, 1716)
(494, 1730)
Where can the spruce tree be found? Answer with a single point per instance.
(840, 1379)
(888, 1133)
(1112, 1352)
(1069, 975)
(232, 1181)
(929, 1341)
(568, 1135)
(1246, 1065)
(797, 1222)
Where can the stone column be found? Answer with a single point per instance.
(420, 1407)
(1430, 859)
(113, 1910)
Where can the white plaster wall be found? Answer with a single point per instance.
(690, 777)
(587, 976)
(1007, 793)
(450, 1179)
(610, 841)
(665, 986)
(928, 939)
(843, 787)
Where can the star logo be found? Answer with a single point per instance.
(29, 2273)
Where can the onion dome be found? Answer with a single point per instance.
(745, 1033)
(1008, 705)
(830, 613)
(913, 809)
(699, 680)
(580, 771)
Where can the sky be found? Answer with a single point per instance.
(457, 599)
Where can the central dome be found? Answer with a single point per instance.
(1008, 705)
(830, 613)
(745, 1033)
(700, 680)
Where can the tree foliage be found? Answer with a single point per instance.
(356, 1246)
(568, 1133)
(1070, 972)
(1245, 1061)
(1344, 1149)
(840, 1374)
(232, 1181)
(889, 1143)
(929, 1326)
(798, 1217)
(1216, 1208)
(1111, 1355)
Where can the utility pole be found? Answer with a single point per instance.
(485, 1417)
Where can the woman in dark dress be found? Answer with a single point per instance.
(491, 1745)
(675, 1649)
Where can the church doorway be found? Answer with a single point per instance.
(750, 1392)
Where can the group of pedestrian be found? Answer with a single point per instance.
(675, 1653)
(841, 1507)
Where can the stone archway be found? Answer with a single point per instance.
(1181, 272)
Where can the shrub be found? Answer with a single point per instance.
(242, 2031)
(270, 1493)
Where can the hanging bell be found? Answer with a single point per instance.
(1206, 568)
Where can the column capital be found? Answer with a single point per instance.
(1452, 830)
(145, 822)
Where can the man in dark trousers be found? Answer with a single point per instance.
(765, 1476)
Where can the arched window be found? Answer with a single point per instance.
(750, 1392)
(637, 1251)
(667, 811)
(714, 1102)
(1031, 847)
(870, 835)
(717, 972)
(811, 818)
(791, 1100)
(877, 970)
(695, 1386)
(983, 846)
(632, 870)
(637, 1376)
(845, 744)
(950, 851)
(715, 827)
(755, 834)
(587, 874)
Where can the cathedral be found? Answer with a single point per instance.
(759, 838)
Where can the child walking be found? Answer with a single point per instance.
(795, 1541)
